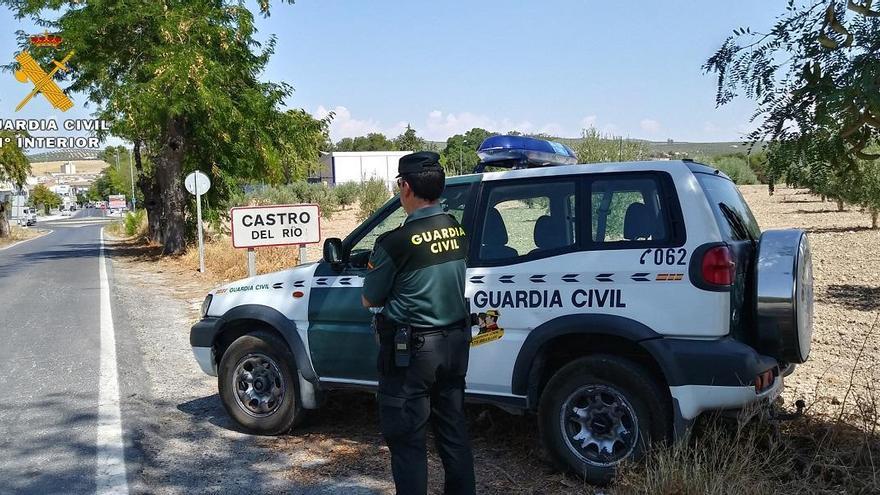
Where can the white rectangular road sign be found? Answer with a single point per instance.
(117, 201)
(277, 225)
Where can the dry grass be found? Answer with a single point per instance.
(20, 234)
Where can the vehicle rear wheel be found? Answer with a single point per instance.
(258, 384)
(598, 411)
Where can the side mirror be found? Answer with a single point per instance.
(333, 251)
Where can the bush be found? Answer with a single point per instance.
(736, 168)
(347, 193)
(373, 195)
(135, 223)
(289, 194)
(323, 196)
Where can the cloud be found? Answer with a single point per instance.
(438, 125)
(344, 125)
(649, 125)
(588, 121)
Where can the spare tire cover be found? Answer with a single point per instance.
(784, 295)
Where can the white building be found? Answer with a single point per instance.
(68, 168)
(359, 166)
(60, 189)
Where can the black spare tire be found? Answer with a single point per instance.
(784, 290)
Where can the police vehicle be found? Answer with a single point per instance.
(617, 301)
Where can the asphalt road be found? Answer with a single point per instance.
(57, 423)
(49, 329)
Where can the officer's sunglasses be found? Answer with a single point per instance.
(400, 182)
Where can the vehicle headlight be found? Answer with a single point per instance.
(206, 304)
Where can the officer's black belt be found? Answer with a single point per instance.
(460, 324)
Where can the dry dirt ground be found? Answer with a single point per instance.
(342, 441)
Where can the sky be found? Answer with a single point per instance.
(554, 66)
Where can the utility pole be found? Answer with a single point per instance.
(117, 159)
(131, 170)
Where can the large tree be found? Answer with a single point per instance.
(14, 168)
(460, 154)
(814, 76)
(374, 141)
(178, 79)
(410, 141)
(41, 196)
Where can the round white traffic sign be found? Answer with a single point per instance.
(199, 179)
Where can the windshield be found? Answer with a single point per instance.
(734, 217)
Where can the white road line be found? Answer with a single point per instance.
(110, 474)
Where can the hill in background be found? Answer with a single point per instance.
(82, 167)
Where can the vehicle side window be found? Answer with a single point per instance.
(731, 211)
(390, 222)
(453, 200)
(627, 210)
(525, 220)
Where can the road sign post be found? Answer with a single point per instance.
(252, 262)
(197, 184)
(277, 225)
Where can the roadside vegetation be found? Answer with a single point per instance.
(17, 234)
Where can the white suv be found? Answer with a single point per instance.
(617, 301)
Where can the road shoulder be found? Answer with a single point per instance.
(179, 436)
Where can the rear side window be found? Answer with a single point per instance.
(628, 212)
(735, 219)
(528, 220)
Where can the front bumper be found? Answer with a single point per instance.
(201, 338)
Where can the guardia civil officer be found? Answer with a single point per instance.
(417, 274)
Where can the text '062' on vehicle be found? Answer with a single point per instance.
(616, 301)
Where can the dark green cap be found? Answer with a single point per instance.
(416, 162)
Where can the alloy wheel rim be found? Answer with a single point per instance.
(259, 385)
(599, 425)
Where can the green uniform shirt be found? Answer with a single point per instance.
(417, 271)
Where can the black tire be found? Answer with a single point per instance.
(268, 404)
(616, 394)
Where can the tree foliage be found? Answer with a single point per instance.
(14, 168)
(460, 154)
(43, 197)
(736, 166)
(180, 81)
(409, 141)
(14, 165)
(374, 141)
(595, 147)
(814, 76)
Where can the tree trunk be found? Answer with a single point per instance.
(874, 214)
(150, 190)
(169, 167)
(839, 205)
(5, 229)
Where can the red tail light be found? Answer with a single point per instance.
(718, 266)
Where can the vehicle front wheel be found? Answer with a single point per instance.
(598, 411)
(258, 384)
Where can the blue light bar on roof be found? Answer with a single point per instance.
(523, 152)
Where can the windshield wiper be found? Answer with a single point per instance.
(736, 222)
